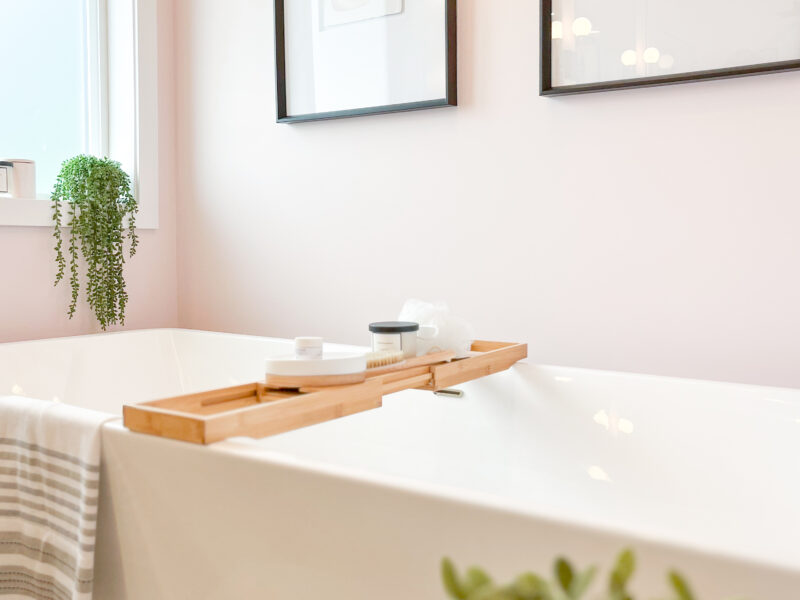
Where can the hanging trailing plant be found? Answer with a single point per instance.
(97, 195)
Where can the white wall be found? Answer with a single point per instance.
(651, 230)
(30, 307)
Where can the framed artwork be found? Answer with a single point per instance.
(590, 46)
(344, 58)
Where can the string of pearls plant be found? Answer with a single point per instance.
(97, 195)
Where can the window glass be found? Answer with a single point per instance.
(43, 102)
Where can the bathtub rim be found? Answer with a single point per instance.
(357, 347)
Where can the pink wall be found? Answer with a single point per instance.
(30, 307)
(651, 230)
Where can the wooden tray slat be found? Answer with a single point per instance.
(293, 413)
(498, 357)
(256, 410)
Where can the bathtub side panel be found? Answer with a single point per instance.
(185, 522)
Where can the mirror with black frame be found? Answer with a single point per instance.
(593, 46)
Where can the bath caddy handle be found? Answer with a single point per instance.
(255, 410)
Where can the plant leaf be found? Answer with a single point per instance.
(564, 573)
(622, 573)
(680, 586)
(580, 583)
(451, 580)
(476, 578)
(490, 592)
(530, 586)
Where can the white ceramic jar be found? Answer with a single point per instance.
(392, 336)
(5, 169)
(19, 178)
(308, 347)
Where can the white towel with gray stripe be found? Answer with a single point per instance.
(49, 486)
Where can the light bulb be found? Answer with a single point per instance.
(628, 58)
(651, 55)
(581, 26)
(558, 30)
(666, 61)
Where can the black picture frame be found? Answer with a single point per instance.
(451, 98)
(545, 70)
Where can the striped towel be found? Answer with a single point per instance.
(49, 479)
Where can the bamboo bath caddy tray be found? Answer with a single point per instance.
(257, 410)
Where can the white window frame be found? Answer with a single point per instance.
(111, 112)
(96, 107)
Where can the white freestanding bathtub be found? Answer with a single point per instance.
(532, 463)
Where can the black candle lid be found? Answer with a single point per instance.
(393, 327)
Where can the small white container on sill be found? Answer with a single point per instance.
(5, 169)
(393, 336)
(19, 178)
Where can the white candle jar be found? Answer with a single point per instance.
(393, 336)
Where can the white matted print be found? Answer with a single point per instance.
(372, 62)
(341, 12)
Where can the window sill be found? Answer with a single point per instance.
(21, 212)
(25, 213)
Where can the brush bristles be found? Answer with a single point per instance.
(384, 359)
